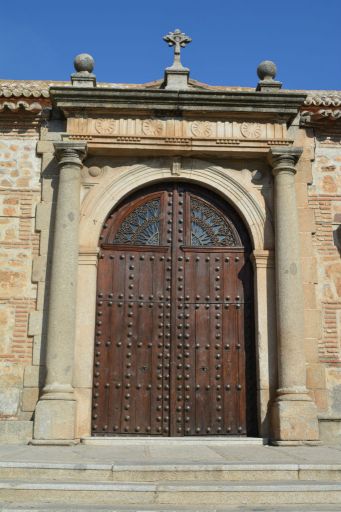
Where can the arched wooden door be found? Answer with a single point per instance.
(174, 352)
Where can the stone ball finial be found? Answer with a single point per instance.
(84, 63)
(267, 70)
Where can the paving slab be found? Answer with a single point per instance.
(123, 508)
(202, 454)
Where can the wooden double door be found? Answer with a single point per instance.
(174, 352)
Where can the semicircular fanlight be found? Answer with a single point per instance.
(209, 228)
(141, 226)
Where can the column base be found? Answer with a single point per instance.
(54, 442)
(294, 420)
(296, 443)
(55, 420)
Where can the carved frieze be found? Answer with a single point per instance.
(170, 130)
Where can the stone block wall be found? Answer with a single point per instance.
(316, 380)
(19, 244)
(325, 201)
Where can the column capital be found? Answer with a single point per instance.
(88, 256)
(70, 153)
(263, 258)
(284, 159)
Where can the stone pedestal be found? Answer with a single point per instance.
(56, 410)
(294, 415)
(294, 420)
(55, 419)
(176, 79)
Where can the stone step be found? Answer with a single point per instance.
(223, 441)
(177, 493)
(82, 472)
(47, 506)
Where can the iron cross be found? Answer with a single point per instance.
(179, 40)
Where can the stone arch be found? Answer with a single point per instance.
(113, 188)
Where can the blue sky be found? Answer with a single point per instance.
(39, 39)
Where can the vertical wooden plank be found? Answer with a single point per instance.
(177, 315)
(203, 378)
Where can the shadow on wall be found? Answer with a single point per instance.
(50, 174)
(263, 178)
(337, 238)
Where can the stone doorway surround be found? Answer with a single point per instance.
(286, 413)
(175, 299)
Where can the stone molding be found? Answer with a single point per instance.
(116, 184)
(41, 88)
(74, 100)
(127, 121)
(33, 95)
(88, 256)
(166, 131)
(101, 198)
(263, 259)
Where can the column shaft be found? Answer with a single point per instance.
(294, 416)
(62, 304)
(289, 295)
(55, 412)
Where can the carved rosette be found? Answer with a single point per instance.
(202, 129)
(152, 127)
(106, 126)
(251, 130)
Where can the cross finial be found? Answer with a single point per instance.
(179, 40)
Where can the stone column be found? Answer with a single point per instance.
(294, 415)
(56, 410)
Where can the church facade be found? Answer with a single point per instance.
(170, 259)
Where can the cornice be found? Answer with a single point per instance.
(320, 108)
(72, 100)
(41, 89)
